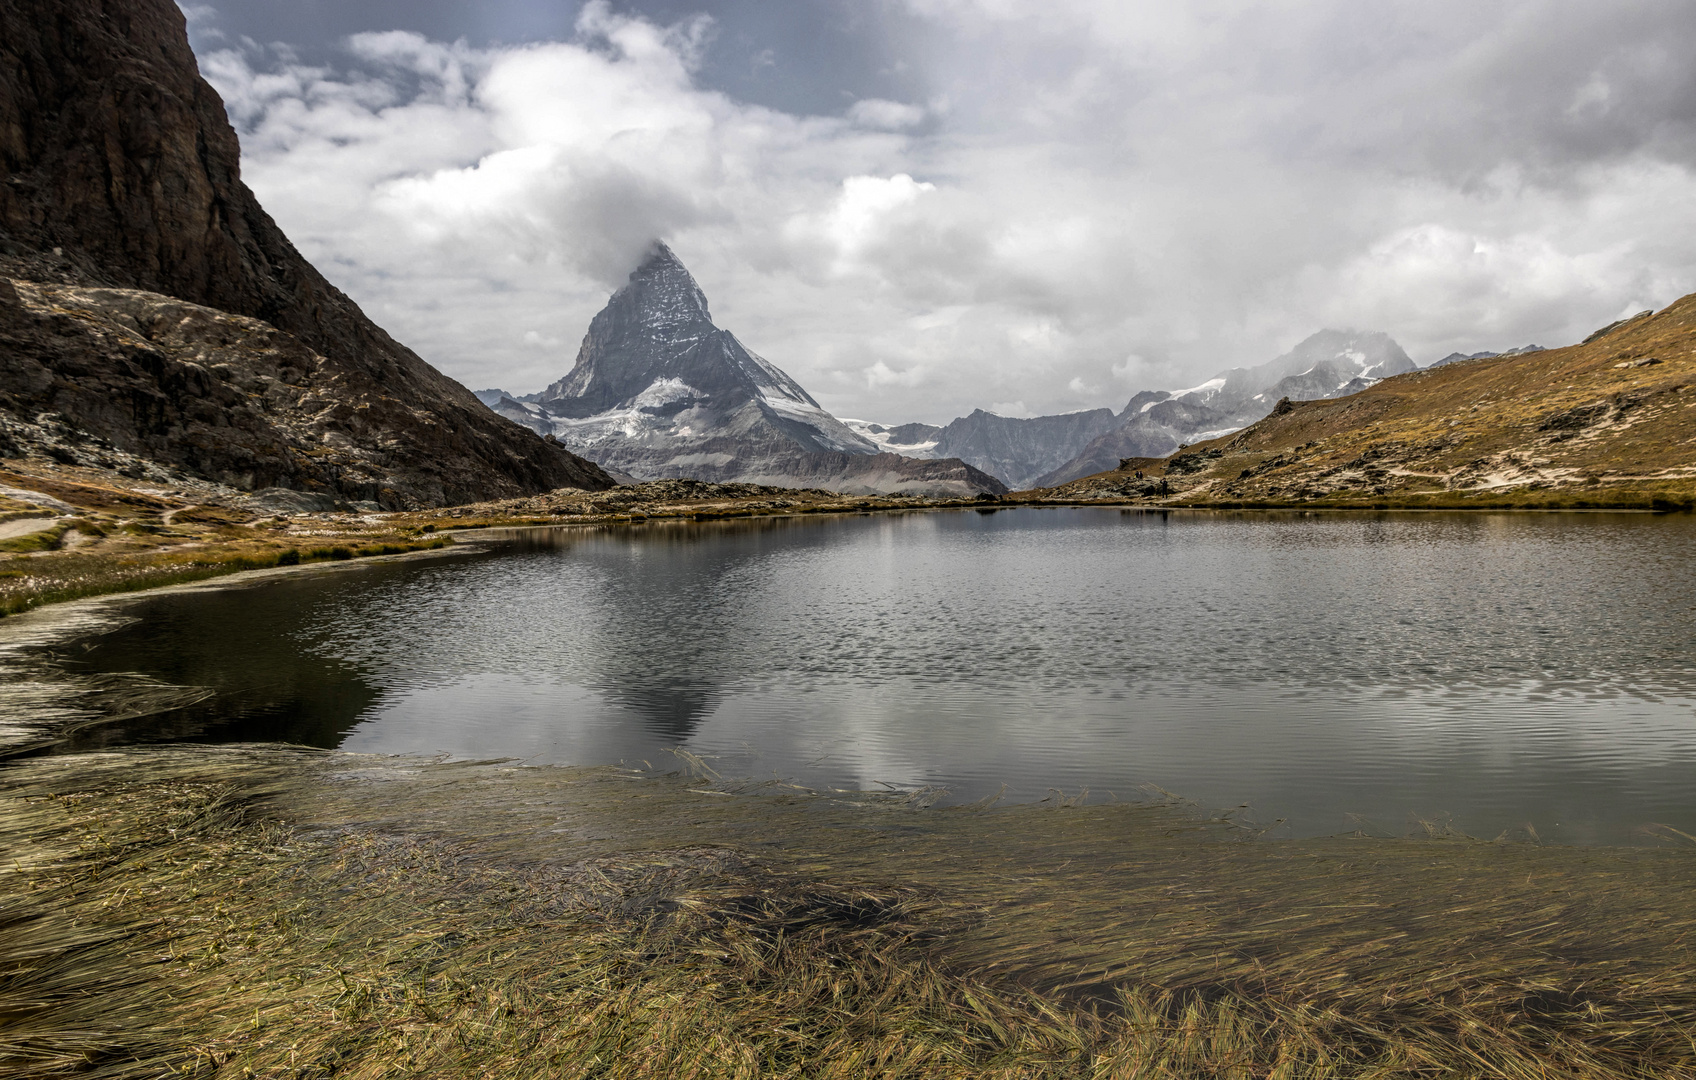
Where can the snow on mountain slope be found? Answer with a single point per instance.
(912, 440)
(658, 390)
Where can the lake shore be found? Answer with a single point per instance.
(275, 911)
(270, 911)
(90, 533)
(113, 543)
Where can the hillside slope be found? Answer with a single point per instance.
(1611, 422)
(121, 171)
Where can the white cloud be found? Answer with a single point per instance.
(867, 212)
(1133, 369)
(880, 375)
(888, 115)
(1096, 195)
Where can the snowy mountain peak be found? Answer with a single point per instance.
(664, 289)
(655, 379)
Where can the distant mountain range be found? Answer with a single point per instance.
(1461, 358)
(1046, 451)
(659, 391)
(1331, 363)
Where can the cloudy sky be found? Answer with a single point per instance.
(921, 207)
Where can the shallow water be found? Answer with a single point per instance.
(1336, 671)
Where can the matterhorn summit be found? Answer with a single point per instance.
(658, 391)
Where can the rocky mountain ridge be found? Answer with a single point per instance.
(658, 390)
(1605, 423)
(1044, 451)
(1461, 358)
(160, 315)
(1020, 450)
(1328, 364)
(914, 440)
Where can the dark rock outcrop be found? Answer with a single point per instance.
(128, 380)
(121, 170)
(902, 434)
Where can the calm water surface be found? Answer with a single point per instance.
(1336, 671)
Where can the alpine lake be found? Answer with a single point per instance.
(1386, 674)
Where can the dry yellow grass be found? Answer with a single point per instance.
(271, 912)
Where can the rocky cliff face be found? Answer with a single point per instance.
(141, 383)
(121, 171)
(659, 391)
(1151, 432)
(1019, 451)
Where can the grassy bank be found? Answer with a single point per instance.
(90, 532)
(73, 575)
(1122, 486)
(1666, 499)
(100, 533)
(270, 912)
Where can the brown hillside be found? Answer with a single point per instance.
(1607, 423)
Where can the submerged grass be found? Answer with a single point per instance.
(271, 912)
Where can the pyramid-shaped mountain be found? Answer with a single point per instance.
(658, 391)
(654, 356)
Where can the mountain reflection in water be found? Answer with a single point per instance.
(1505, 669)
